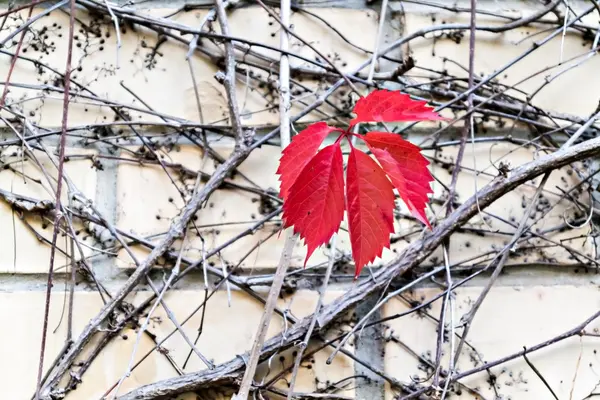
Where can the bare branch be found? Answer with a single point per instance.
(415, 253)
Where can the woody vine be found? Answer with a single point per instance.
(388, 87)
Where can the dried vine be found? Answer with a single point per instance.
(317, 86)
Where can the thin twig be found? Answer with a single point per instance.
(537, 372)
(265, 320)
(302, 347)
(58, 202)
(228, 78)
(384, 6)
(284, 77)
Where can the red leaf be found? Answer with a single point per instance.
(299, 152)
(312, 186)
(370, 199)
(314, 205)
(406, 167)
(391, 106)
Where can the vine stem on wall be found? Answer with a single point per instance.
(58, 201)
(227, 373)
(492, 99)
(290, 237)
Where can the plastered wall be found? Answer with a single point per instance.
(543, 292)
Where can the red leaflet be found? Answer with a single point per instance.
(299, 152)
(407, 169)
(388, 106)
(370, 199)
(315, 203)
(312, 185)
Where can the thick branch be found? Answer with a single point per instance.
(175, 232)
(414, 254)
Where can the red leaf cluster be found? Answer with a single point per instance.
(312, 180)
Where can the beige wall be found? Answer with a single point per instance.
(533, 302)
